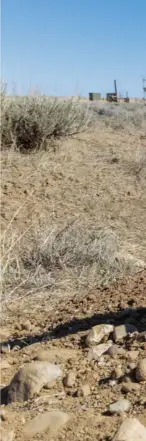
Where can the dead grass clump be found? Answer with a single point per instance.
(79, 256)
(29, 122)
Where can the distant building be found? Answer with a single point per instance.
(94, 96)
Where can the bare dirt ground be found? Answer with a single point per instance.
(95, 179)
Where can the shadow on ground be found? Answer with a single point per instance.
(136, 317)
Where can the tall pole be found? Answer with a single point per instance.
(144, 88)
(115, 85)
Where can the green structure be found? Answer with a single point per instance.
(94, 96)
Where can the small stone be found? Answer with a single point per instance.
(16, 348)
(117, 373)
(97, 334)
(141, 370)
(6, 435)
(26, 325)
(50, 422)
(97, 351)
(130, 387)
(69, 379)
(120, 406)
(126, 379)
(131, 430)
(122, 331)
(30, 379)
(5, 349)
(113, 351)
(112, 383)
(3, 415)
(101, 362)
(84, 391)
(133, 355)
(131, 366)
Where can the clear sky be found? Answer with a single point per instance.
(70, 47)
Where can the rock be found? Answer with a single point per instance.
(131, 430)
(5, 349)
(49, 422)
(3, 415)
(133, 355)
(84, 391)
(131, 366)
(4, 364)
(16, 348)
(122, 331)
(30, 379)
(46, 355)
(69, 379)
(113, 351)
(130, 387)
(141, 370)
(112, 383)
(26, 325)
(6, 435)
(117, 373)
(120, 406)
(96, 351)
(97, 334)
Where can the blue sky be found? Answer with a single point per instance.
(69, 47)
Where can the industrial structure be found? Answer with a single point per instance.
(144, 88)
(113, 96)
(94, 96)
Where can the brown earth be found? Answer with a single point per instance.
(97, 178)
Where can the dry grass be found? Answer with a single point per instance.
(80, 222)
(79, 255)
(121, 116)
(29, 122)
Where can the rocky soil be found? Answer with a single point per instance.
(78, 370)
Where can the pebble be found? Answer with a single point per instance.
(141, 370)
(122, 331)
(120, 406)
(97, 351)
(113, 351)
(117, 373)
(131, 366)
(97, 334)
(84, 391)
(69, 379)
(5, 349)
(131, 430)
(3, 415)
(130, 387)
(133, 355)
(26, 325)
(16, 348)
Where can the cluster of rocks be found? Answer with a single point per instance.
(32, 377)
